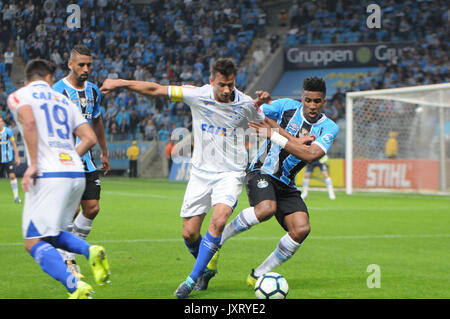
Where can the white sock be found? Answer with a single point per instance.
(305, 187)
(240, 223)
(286, 248)
(82, 226)
(14, 187)
(329, 184)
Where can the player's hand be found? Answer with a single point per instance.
(109, 85)
(17, 161)
(29, 178)
(262, 129)
(262, 97)
(105, 164)
(307, 140)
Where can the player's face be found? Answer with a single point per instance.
(313, 103)
(223, 87)
(80, 66)
(2, 123)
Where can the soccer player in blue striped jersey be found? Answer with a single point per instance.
(9, 155)
(87, 97)
(297, 134)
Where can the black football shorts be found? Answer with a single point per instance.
(261, 186)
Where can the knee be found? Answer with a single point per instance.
(265, 210)
(190, 235)
(300, 232)
(91, 210)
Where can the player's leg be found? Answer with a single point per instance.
(299, 228)
(40, 225)
(208, 247)
(292, 215)
(196, 204)
(76, 244)
(226, 188)
(82, 224)
(191, 233)
(51, 262)
(328, 182)
(262, 198)
(13, 182)
(306, 179)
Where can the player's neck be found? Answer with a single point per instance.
(75, 82)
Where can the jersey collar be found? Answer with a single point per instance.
(39, 82)
(235, 93)
(322, 118)
(66, 81)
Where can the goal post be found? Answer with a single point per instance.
(398, 139)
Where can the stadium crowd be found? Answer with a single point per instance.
(176, 41)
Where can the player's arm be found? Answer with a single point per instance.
(141, 87)
(16, 151)
(99, 130)
(297, 146)
(87, 136)
(30, 135)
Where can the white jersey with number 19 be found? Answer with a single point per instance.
(218, 128)
(56, 119)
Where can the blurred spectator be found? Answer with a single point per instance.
(134, 122)
(9, 60)
(150, 131)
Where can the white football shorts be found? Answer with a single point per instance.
(205, 189)
(50, 206)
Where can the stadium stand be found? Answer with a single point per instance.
(175, 42)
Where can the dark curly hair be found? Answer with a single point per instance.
(225, 66)
(315, 84)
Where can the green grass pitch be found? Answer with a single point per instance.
(406, 235)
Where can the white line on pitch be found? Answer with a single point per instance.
(392, 236)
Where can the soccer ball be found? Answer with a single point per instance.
(271, 286)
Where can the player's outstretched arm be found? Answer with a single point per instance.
(298, 146)
(30, 135)
(141, 87)
(87, 137)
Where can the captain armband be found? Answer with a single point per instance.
(175, 93)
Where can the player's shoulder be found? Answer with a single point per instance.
(93, 86)
(8, 131)
(60, 86)
(204, 91)
(329, 124)
(18, 97)
(287, 103)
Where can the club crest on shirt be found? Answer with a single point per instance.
(262, 183)
(303, 132)
(83, 102)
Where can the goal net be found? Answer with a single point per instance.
(398, 139)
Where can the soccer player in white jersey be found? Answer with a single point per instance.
(220, 114)
(54, 180)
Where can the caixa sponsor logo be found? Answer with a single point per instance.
(217, 130)
(387, 175)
